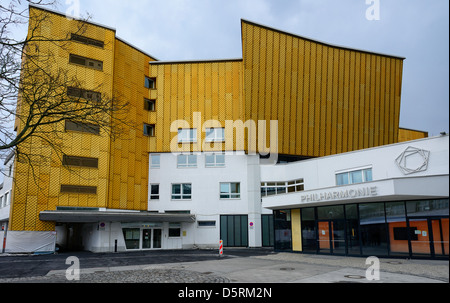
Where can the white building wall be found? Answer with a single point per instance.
(390, 180)
(206, 203)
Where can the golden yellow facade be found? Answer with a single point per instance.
(405, 134)
(326, 100)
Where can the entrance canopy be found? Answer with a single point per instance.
(65, 216)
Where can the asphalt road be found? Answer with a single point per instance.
(19, 266)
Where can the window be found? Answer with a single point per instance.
(186, 160)
(215, 160)
(206, 223)
(354, 177)
(154, 191)
(150, 105)
(277, 188)
(78, 189)
(149, 130)
(87, 40)
(84, 94)
(174, 230)
(181, 191)
(80, 161)
(150, 83)
(82, 127)
(215, 134)
(87, 62)
(155, 161)
(230, 190)
(187, 135)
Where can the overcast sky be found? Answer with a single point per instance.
(211, 29)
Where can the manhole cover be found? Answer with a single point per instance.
(394, 262)
(287, 268)
(356, 277)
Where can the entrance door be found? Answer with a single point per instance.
(151, 238)
(440, 236)
(332, 236)
(429, 237)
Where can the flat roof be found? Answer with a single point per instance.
(74, 216)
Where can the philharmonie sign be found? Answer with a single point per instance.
(362, 192)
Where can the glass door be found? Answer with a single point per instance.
(420, 237)
(157, 235)
(332, 236)
(146, 238)
(324, 237)
(440, 229)
(151, 238)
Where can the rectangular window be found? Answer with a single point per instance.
(154, 191)
(215, 160)
(78, 189)
(277, 188)
(84, 94)
(215, 134)
(155, 161)
(150, 83)
(86, 62)
(80, 161)
(149, 130)
(174, 230)
(187, 135)
(186, 160)
(354, 177)
(181, 191)
(82, 127)
(230, 190)
(206, 223)
(88, 41)
(150, 105)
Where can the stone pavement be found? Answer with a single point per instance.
(270, 268)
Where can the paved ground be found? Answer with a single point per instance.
(204, 266)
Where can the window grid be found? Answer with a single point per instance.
(215, 160)
(186, 161)
(230, 190)
(278, 188)
(182, 191)
(354, 176)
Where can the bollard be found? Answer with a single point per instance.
(221, 248)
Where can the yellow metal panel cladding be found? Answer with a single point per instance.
(209, 88)
(296, 230)
(405, 134)
(38, 189)
(129, 151)
(345, 99)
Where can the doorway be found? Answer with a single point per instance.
(429, 237)
(331, 236)
(151, 238)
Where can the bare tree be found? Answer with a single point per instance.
(38, 96)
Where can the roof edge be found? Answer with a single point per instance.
(196, 61)
(318, 41)
(69, 16)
